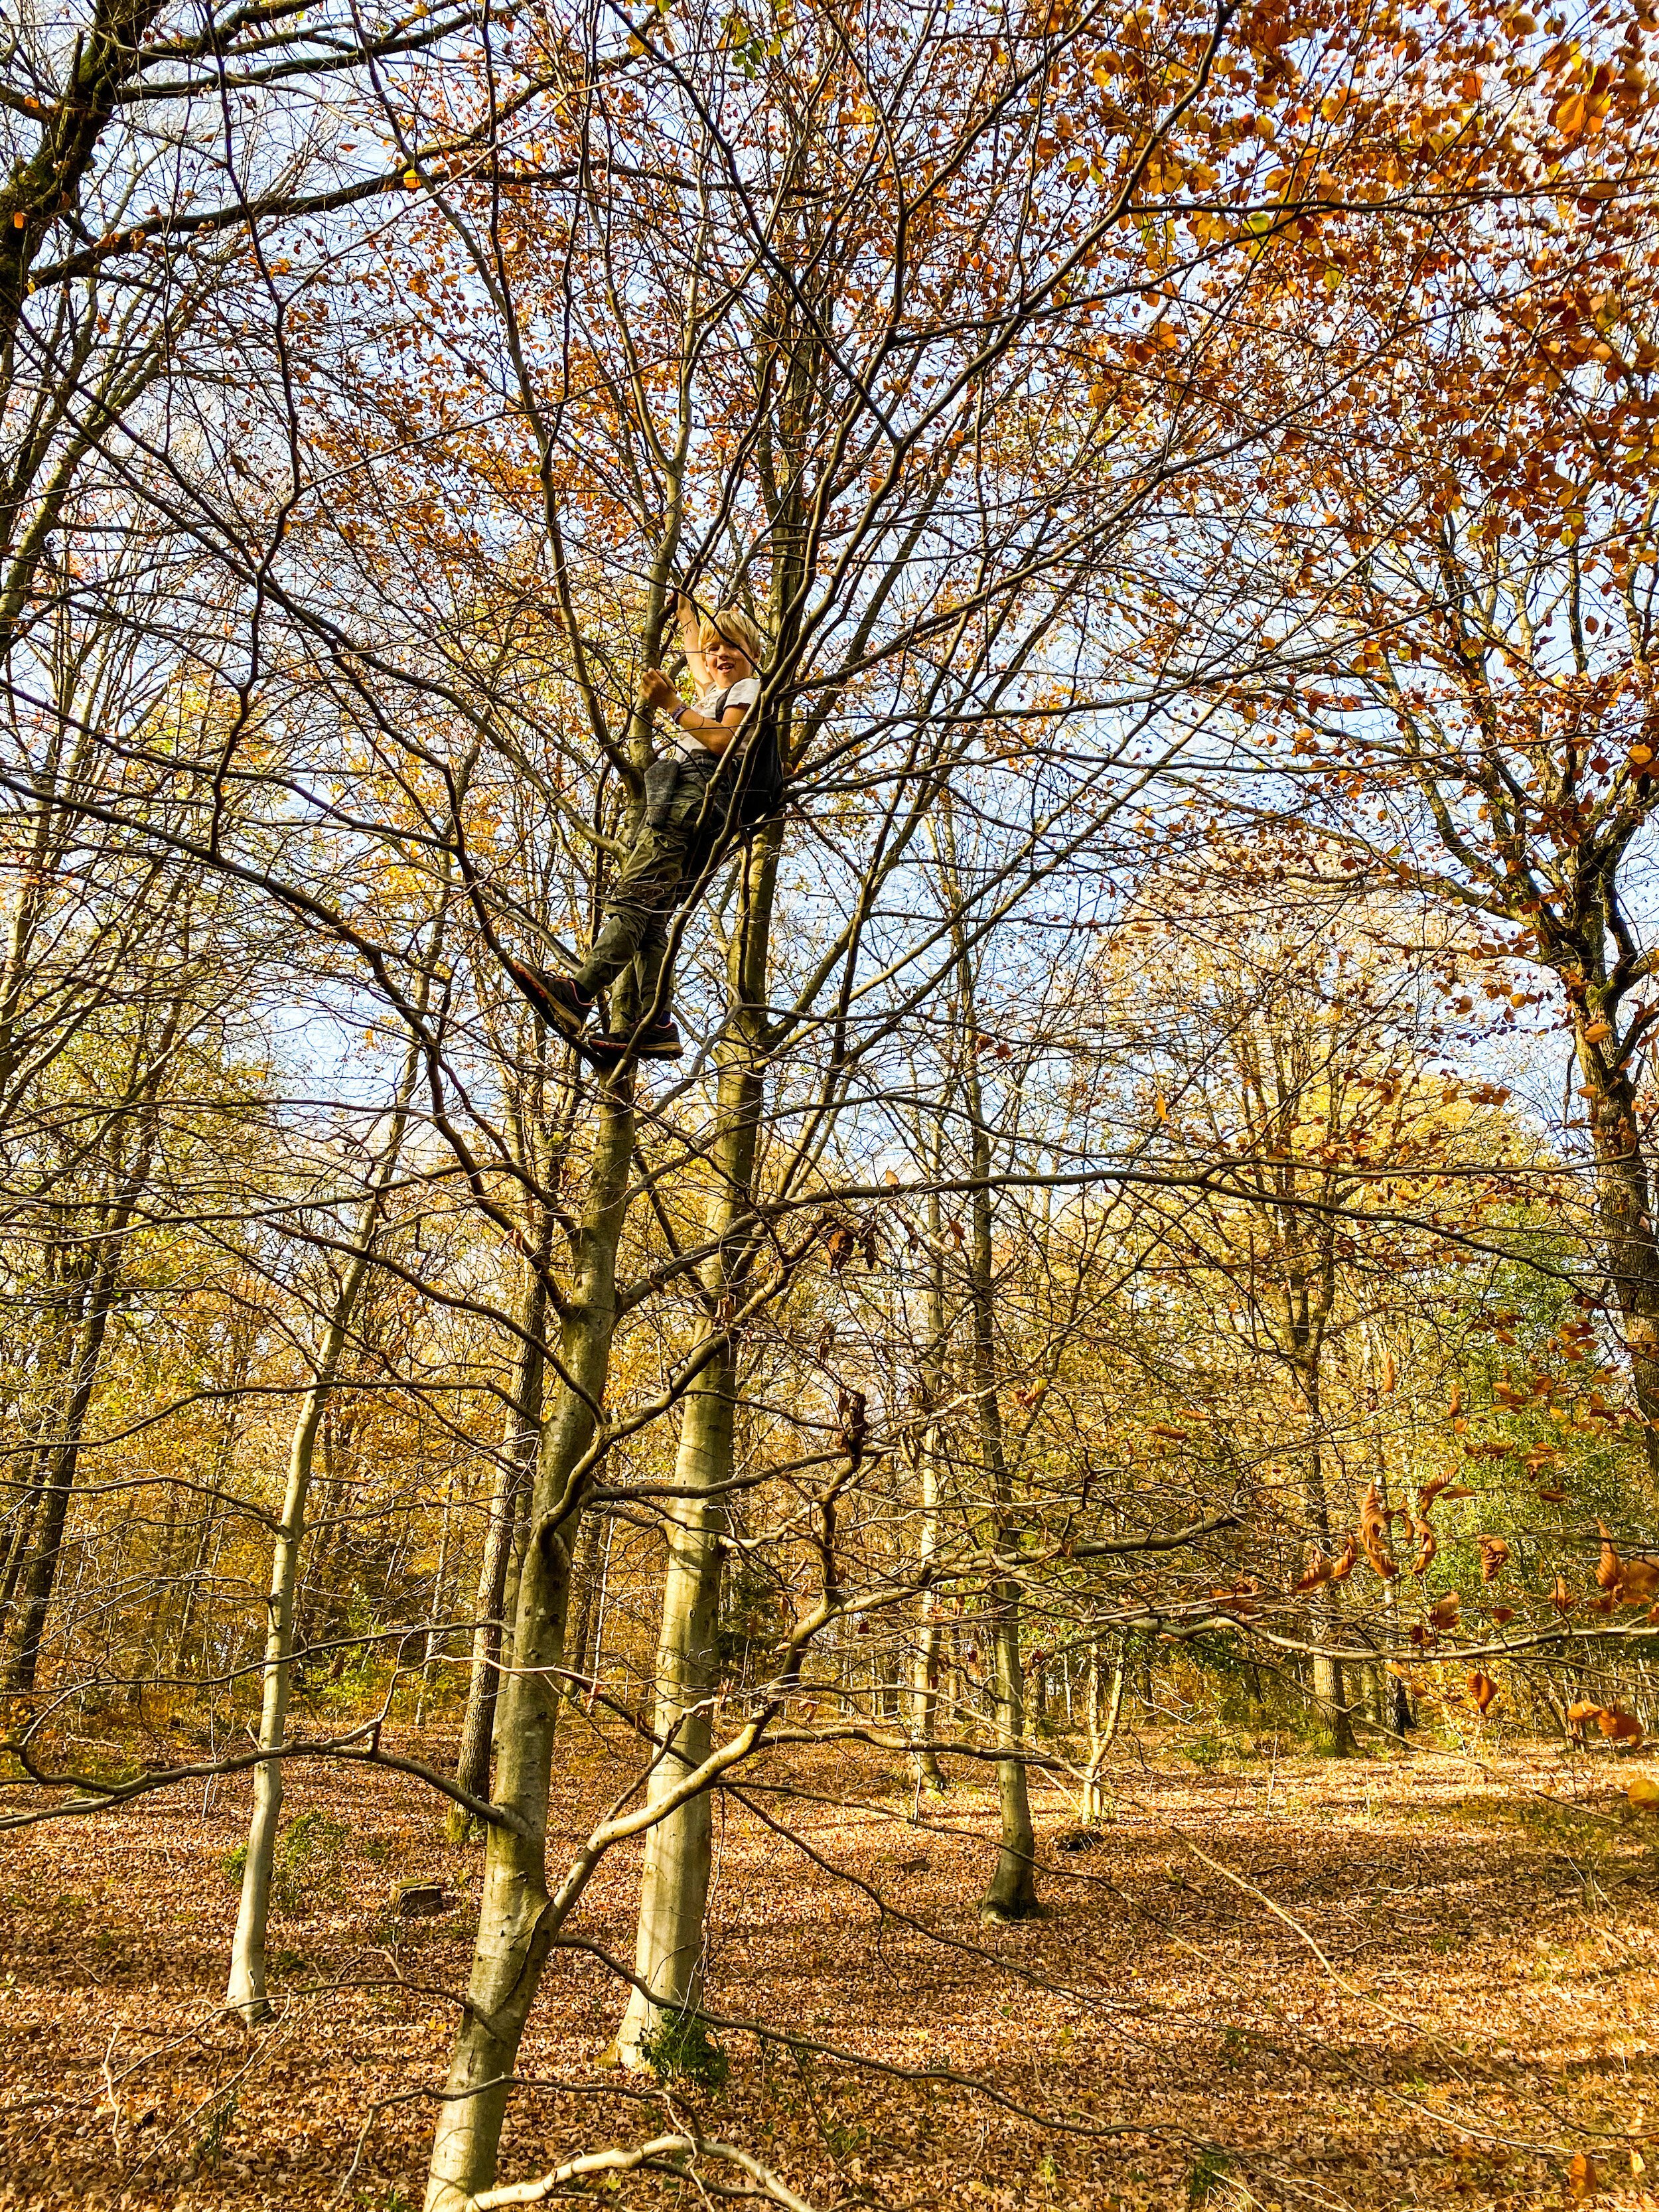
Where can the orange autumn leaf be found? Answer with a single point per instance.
(1561, 1596)
(1428, 1544)
(1584, 2176)
(1610, 1568)
(1342, 1566)
(1494, 1555)
(1552, 1496)
(1446, 1612)
(1483, 1690)
(1374, 1533)
(1619, 1726)
(1318, 1570)
(1640, 1583)
(1501, 1615)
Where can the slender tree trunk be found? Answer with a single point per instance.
(514, 1476)
(1624, 1213)
(1331, 1718)
(515, 1928)
(245, 1992)
(593, 1648)
(924, 1665)
(674, 1884)
(204, 1537)
(1012, 1892)
(1105, 1706)
(21, 1534)
(437, 1634)
(65, 1452)
(586, 1572)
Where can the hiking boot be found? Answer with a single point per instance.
(555, 998)
(656, 1040)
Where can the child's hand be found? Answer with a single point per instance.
(656, 690)
(685, 607)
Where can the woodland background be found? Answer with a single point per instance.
(1025, 1577)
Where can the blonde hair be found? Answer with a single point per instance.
(733, 627)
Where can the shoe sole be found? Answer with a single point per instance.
(568, 1023)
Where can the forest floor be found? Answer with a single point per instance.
(1272, 1982)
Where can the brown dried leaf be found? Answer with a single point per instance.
(1561, 1596)
(1619, 1726)
(1446, 1612)
(1483, 1690)
(1428, 1544)
(1494, 1555)
(1584, 2176)
(1610, 1568)
(1374, 1534)
(1317, 1571)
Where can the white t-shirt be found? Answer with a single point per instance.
(743, 692)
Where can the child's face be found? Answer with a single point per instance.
(726, 663)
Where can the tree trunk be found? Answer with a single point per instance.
(1625, 1215)
(924, 1677)
(514, 1929)
(586, 1572)
(1012, 1892)
(42, 1576)
(245, 1992)
(1331, 1721)
(674, 1884)
(1105, 1711)
(512, 1475)
(674, 1881)
(437, 1633)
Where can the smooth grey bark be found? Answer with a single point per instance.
(674, 1883)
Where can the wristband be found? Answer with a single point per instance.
(678, 713)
